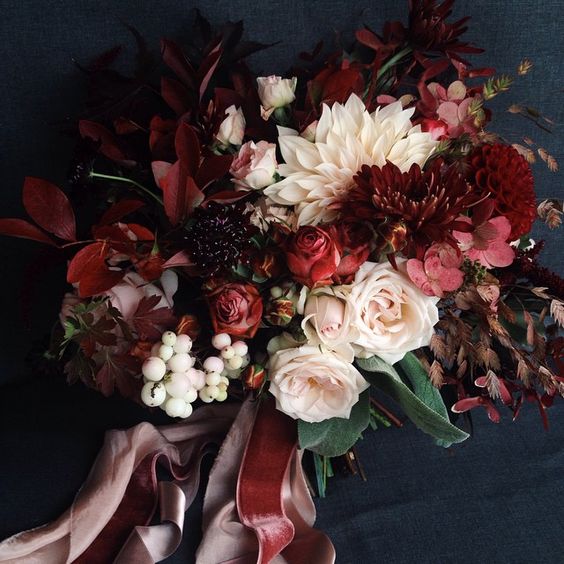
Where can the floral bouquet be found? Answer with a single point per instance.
(291, 251)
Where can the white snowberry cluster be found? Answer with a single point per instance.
(234, 356)
(172, 382)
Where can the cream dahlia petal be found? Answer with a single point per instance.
(319, 173)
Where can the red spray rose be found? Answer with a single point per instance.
(312, 255)
(235, 309)
(353, 242)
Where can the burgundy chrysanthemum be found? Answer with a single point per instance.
(499, 170)
(426, 202)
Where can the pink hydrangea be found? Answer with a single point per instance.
(487, 244)
(439, 271)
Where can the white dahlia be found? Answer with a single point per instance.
(320, 172)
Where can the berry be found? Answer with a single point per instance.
(178, 384)
(235, 362)
(212, 391)
(222, 396)
(191, 395)
(227, 352)
(204, 396)
(175, 407)
(169, 338)
(213, 364)
(197, 377)
(240, 348)
(153, 394)
(183, 344)
(220, 341)
(154, 368)
(165, 352)
(187, 411)
(179, 362)
(213, 378)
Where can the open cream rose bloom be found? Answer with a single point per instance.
(391, 313)
(313, 384)
(320, 172)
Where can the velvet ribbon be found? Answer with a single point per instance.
(258, 467)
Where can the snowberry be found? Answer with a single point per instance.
(153, 394)
(154, 368)
(204, 395)
(240, 348)
(235, 362)
(221, 340)
(213, 378)
(187, 411)
(213, 364)
(168, 338)
(165, 352)
(227, 352)
(222, 396)
(276, 292)
(212, 391)
(224, 381)
(178, 384)
(179, 362)
(246, 360)
(191, 395)
(183, 344)
(175, 407)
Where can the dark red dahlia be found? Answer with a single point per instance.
(426, 202)
(499, 170)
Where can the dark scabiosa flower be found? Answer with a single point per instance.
(501, 172)
(425, 203)
(220, 237)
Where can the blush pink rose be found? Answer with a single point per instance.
(255, 165)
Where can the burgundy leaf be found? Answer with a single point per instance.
(175, 59)
(160, 170)
(98, 280)
(194, 196)
(119, 210)
(109, 144)
(148, 321)
(368, 39)
(176, 95)
(14, 227)
(49, 207)
(174, 195)
(206, 70)
(213, 168)
(181, 258)
(187, 148)
(91, 255)
(225, 197)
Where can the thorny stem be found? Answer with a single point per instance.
(129, 181)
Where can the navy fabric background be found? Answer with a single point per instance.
(496, 498)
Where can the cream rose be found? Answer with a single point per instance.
(255, 166)
(328, 320)
(232, 128)
(275, 92)
(392, 315)
(313, 384)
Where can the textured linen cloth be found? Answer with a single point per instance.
(495, 498)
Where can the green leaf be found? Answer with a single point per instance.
(335, 436)
(424, 417)
(413, 371)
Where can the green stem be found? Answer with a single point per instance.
(129, 181)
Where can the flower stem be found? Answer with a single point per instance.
(129, 181)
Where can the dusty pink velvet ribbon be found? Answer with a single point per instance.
(122, 485)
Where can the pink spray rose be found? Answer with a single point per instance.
(255, 165)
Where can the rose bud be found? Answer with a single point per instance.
(275, 92)
(232, 128)
(394, 235)
(353, 239)
(253, 376)
(312, 256)
(255, 166)
(268, 263)
(280, 312)
(188, 325)
(235, 309)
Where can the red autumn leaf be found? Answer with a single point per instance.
(207, 68)
(434, 69)
(174, 196)
(194, 196)
(98, 280)
(109, 145)
(141, 232)
(213, 168)
(49, 207)
(187, 149)
(14, 227)
(225, 197)
(175, 59)
(341, 84)
(119, 371)
(148, 321)
(91, 255)
(119, 210)
(369, 39)
(181, 258)
(160, 171)
(176, 95)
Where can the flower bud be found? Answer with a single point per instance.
(275, 92)
(280, 312)
(188, 325)
(268, 263)
(232, 128)
(394, 235)
(253, 376)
